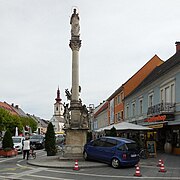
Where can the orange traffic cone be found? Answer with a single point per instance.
(162, 169)
(159, 163)
(138, 173)
(76, 165)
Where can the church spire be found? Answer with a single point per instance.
(58, 99)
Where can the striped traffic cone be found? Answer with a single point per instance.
(138, 173)
(76, 168)
(159, 163)
(162, 169)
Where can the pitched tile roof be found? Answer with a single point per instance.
(8, 107)
(160, 71)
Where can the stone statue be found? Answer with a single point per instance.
(84, 117)
(75, 28)
(66, 116)
(68, 94)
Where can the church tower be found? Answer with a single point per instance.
(58, 118)
(58, 106)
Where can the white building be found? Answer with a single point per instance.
(58, 119)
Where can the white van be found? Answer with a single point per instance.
(18, 143)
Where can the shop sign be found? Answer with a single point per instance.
(156, 126)
(151, 148)
(155, 118)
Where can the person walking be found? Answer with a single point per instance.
(26, 148)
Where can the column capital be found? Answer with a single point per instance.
(75, 44)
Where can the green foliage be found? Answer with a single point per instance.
(113, 132)
(7, 142)
(4, 116)
(29, 122)
(50, 141)
(9, 121)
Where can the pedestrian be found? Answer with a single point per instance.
(26, 148)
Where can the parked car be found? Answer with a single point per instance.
(115, 151)
(37, 141)
(18, 143)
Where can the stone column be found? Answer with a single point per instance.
(76, 116)
(75, 105)
(75, 45)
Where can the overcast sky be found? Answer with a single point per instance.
(118, 38)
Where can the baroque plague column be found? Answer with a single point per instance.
(76, 116)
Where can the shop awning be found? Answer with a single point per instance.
(125, 126)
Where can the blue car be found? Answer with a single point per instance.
(115, 151)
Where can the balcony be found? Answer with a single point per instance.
(162, 108)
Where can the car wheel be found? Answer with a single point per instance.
(85, 155)
(115, 163)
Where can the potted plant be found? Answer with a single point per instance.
(7, 145)
(50, 141)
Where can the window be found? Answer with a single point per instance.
(162, 99)
(167, 91)
(99, 142)
(167, 94)
(122, 115)
(140, 106)
(118, 99)
(115, 101)
(172, 93)
(127, 111)
(150, 100)
(110, 143)
(133, 109)
(122, 96)
(118, 116)
(131, 146)
(122, 148)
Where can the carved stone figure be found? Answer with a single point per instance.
(84, 117)
(75, 28)
(66, 117)
(68, 94)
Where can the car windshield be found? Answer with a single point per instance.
(131, 146)
(16, 140)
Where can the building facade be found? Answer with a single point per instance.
(156, 103)
(58, 119)
(116, 100)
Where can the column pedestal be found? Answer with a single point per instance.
(75, 140)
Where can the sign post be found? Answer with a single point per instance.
(151, 148)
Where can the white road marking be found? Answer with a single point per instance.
(25, 173)
(111, 176)
(47, 177)
(7, 159)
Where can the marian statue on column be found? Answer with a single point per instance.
(75, 28)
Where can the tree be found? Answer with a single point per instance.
(4, 116)
(50, 141)
(9, 121)
(113, 132)
(7, 142)
(28, 121)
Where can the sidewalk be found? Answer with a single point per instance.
(170, 161)
(57, 162)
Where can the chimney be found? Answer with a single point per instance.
(177, 46)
